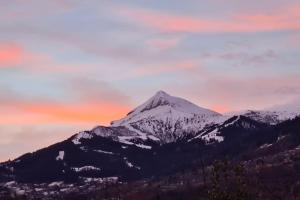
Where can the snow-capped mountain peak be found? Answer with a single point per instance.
(163, 104)
(167, 117)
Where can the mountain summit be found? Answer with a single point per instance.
(164, 104)
(167, 117)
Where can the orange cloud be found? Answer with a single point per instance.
(50, 112)
(285, 19)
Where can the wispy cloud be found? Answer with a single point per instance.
(244, 57)
(285, 19)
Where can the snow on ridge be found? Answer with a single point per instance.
(102, 131)
(124, 140)
(81, 135)
(61, 155)
(272, 115)
(237, 119)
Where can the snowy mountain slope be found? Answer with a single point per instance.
(162, 103)
(167, 118)
(271, 116)
(119, 134)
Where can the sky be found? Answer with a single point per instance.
(69, 65)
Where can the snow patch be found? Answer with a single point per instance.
(105, 152)
(153, 138)
(81, 135)
(56, 183)
(86, 168)
(130, 165)
(112, 179)
(10, 183)
(143, 146)
(124, 139)
(83, 149)
(265, 146)
(61, 155)
(19, 192)
(213, 136)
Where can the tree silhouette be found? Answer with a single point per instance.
(228, 182)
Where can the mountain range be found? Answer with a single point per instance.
(161, 137)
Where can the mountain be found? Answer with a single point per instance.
(275, 114)
(163, 136)
(166, 118)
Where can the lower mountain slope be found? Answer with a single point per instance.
(99, 156)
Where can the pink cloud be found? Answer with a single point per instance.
(220, 108)
(11, 54)
(15, 55)
(287, 18)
